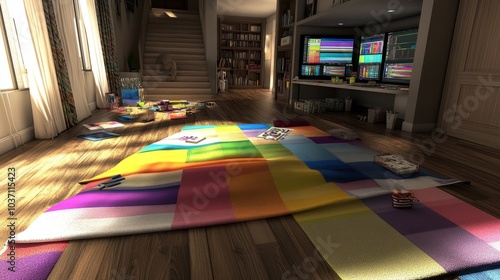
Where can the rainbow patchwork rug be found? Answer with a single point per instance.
(338, 194)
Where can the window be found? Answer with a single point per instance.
(7, 78)
(16, 48)
(82, 38)
(14, 34)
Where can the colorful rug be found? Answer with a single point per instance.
(338, 193)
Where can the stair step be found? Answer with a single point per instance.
(166, 26)
(197, 39)
(173, 32)
(150, 69)
(151, 62)
(170, 37)
(179, 78)
(181, 14)
(173, 39)
(150, 58)
(178, 83)
(175, 50)
(176, 44)
(174, 21)
(191, 73)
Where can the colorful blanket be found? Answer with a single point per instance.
(336, 190)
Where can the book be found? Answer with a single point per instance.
(397, 164)
(98, 136)
(177, 114)
(310, 8)
(184, 138)
(275, 133)
(193, 138)
(103, 125)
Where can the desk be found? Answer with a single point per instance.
(400, 94)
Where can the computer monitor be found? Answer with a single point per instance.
(400, 51)
(323, 57)
(371, 52)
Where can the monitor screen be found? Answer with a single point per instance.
(323, 57)
(371, 53)
(334, 71)
(400, 71)
(311, 70)
(399, 55)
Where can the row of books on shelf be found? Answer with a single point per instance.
(238, 64)
(283, 64)
(336, 104)
(283, 85)
(240, 27)
(241, 54)
(310, 106)
(237, 80)
(238, 36)
(240, 44)
(287, 18)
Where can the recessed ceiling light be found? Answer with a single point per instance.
(170, 14)
(391, 11)
(340, 23)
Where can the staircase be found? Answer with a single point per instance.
(182, 39)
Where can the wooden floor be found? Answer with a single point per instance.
(48, 172)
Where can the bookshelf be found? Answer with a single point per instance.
(285, 23)
(241, 53)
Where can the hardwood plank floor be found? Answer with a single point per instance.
(48, 171)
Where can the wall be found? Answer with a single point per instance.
(208, 16)
(127, 28)
(193, 5)
(435, 35)
(16, 119)
(269, 51)
(470, 107)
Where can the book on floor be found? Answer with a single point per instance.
(275, 133)
(98, 136)
(103, 125)
(397, 164)
(193, 138)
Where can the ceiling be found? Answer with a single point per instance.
(363, 13)
(355, 13)
(246, 8)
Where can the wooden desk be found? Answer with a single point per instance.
(400, 94)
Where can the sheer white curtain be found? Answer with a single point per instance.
(96, 57)
(65, 12)
(48, 115)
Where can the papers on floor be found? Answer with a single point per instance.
(275, 133)
(103, 125)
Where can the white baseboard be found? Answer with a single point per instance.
(8, 143)
(418, 127)
(92, 106)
